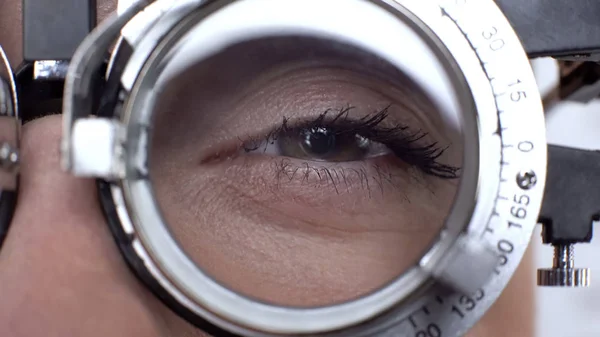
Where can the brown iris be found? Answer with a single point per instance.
(323, 144)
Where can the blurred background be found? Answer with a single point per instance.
(566, 312)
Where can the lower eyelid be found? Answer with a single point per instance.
(372, 178)
(350, 192)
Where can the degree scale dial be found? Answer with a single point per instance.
(512, 132)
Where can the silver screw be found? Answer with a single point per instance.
(526, 179)
(563, 272)
(9, 157)
(564, 256)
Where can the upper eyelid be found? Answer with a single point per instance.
(341, 120)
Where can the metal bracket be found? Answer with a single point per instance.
(559, 28)
(571, 204)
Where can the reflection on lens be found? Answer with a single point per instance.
(301, 171)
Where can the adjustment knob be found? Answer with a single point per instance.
(563, 273)
(563, 277)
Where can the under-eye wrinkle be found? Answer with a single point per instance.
(370, 177)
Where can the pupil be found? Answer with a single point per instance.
(318, 141)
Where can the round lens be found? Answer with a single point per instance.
(302, 171)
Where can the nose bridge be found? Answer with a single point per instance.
(40, 142)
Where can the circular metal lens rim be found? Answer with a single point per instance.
(138, 194)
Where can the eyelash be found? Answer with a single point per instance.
(340, 178)
(399, 139)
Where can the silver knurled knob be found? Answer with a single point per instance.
(563, 273)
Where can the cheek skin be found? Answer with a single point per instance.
(59, 266)
(271, 243)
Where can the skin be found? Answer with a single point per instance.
(61, 274)
(297, 231)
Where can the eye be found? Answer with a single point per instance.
(301, 171)
(319, 140)
(342, 139)
(321, 143)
